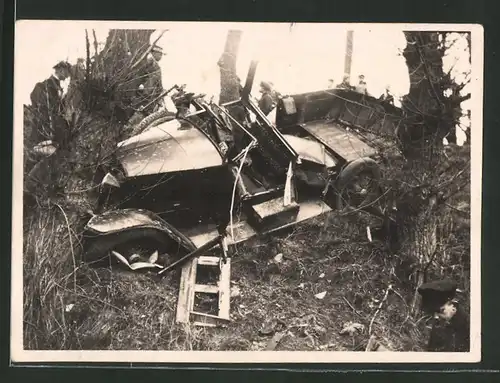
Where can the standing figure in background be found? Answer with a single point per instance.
(331, 83)
(267, 101)
(46, 101)
(50, 131)
(387, 97)
(345, 84)
(151, 86)
(361, 87)
(147, 87)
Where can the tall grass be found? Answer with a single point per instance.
(53, 223)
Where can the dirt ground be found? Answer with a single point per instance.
(327, 276)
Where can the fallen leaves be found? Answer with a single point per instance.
(352, 328)
(271, 326)
(235, 292)
(320, 295)
(276, 339)
(278, 258)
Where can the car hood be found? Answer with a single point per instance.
(168, 147)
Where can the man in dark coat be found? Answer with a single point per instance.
(387, 97)
(46, 101)
(150, 86)
(146, 88)
(49, 133)
(268, 100)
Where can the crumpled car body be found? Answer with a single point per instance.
(178, 172)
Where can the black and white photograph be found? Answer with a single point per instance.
(235, 191)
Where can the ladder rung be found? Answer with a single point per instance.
(204, 324)
(196, 313)
(207, 320)
(208, 261)
(207, 289)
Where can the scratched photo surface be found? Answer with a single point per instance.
(251, 187)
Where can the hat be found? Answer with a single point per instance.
(266, 85)
(63, 65)
(437, 293)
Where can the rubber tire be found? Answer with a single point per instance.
(98, 251)
(353, 169)
(153, 118)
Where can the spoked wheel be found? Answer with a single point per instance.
(137, 254)
(135, 249)
(358, 185)
(153, 120)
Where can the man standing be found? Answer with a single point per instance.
(148, 87)
(345, 84)
(46, 101)
(150, 83)
(49, 134)
(387, 97)
(361, 87)
(153, 86)
(268, 100)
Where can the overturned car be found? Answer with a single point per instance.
(183, 182)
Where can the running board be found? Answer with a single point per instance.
(243, 230)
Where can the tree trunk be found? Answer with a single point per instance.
(424, 244)
(348, 57)
(432, 115)
(424, 102)
(229, 82)
(123, 47)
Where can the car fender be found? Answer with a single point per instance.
(123, 220)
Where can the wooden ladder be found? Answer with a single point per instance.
(188, 289)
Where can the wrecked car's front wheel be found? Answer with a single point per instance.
(358, 185)
(134, 246)
(154, 119)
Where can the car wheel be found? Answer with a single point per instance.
(135, 245)
(156, 118)
(358, 185)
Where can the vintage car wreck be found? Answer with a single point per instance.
(184, 184)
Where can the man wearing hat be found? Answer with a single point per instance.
(152, 83)
(267, 101)
(361, 87)
(387, 97)
(46, 101)
(147, 86)
(50, 130)
(450, 331)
